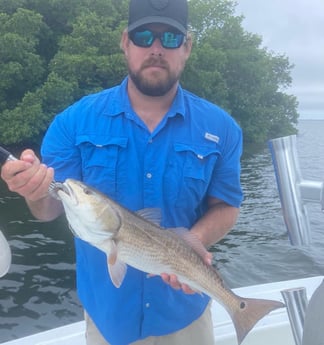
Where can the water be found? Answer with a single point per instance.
(39, 291)
(258, 250)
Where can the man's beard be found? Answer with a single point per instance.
(150, 86)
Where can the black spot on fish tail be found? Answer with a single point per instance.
(250, 311)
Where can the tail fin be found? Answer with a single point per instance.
(250, 311)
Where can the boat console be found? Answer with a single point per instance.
(295, 192)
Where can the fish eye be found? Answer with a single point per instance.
(87, 191)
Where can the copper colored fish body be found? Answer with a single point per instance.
(130, 239)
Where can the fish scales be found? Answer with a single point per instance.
(129, 239)
(165, 252)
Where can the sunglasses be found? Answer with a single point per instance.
(145, 38)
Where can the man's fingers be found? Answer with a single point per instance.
(27, 176)
(37, 186)
(173, 281)
(208, 258)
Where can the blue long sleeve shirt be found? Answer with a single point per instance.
(193, 153)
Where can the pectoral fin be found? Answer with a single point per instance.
(116, 268)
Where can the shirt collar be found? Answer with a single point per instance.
(120, 103)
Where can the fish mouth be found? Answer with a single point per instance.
(60, 187)
(63, 190)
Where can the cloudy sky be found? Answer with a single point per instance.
(294, 28)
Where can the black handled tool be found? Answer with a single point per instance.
(6, 155)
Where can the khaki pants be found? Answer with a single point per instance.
(200, 332)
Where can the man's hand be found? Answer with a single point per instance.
(27, 176)
(173, 281)
(31, 179)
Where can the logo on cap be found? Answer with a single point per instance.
(159, 4)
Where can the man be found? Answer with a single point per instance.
(145, 143)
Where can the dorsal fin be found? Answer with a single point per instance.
(151, 214)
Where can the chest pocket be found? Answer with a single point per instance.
(99, 157)
(189, 173)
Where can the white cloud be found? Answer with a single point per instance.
(294, 28)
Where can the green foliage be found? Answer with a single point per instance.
(54, 52)
(21, 69)
(24, 121)
(229, 67)
(90, 55)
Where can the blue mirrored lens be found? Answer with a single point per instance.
(171, 39)
(168, 39)
(143, 38)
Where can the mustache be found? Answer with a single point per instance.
(155, 61)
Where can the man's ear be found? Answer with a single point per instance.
(188, 44)
(124, 42)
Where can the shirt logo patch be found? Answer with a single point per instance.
(212, 137)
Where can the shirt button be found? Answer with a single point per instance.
(149, 175)
(150, 141)
(147, 305)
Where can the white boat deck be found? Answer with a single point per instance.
(272, 329)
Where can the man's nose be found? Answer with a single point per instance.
(156, 47)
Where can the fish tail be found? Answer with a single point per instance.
(250, 311)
